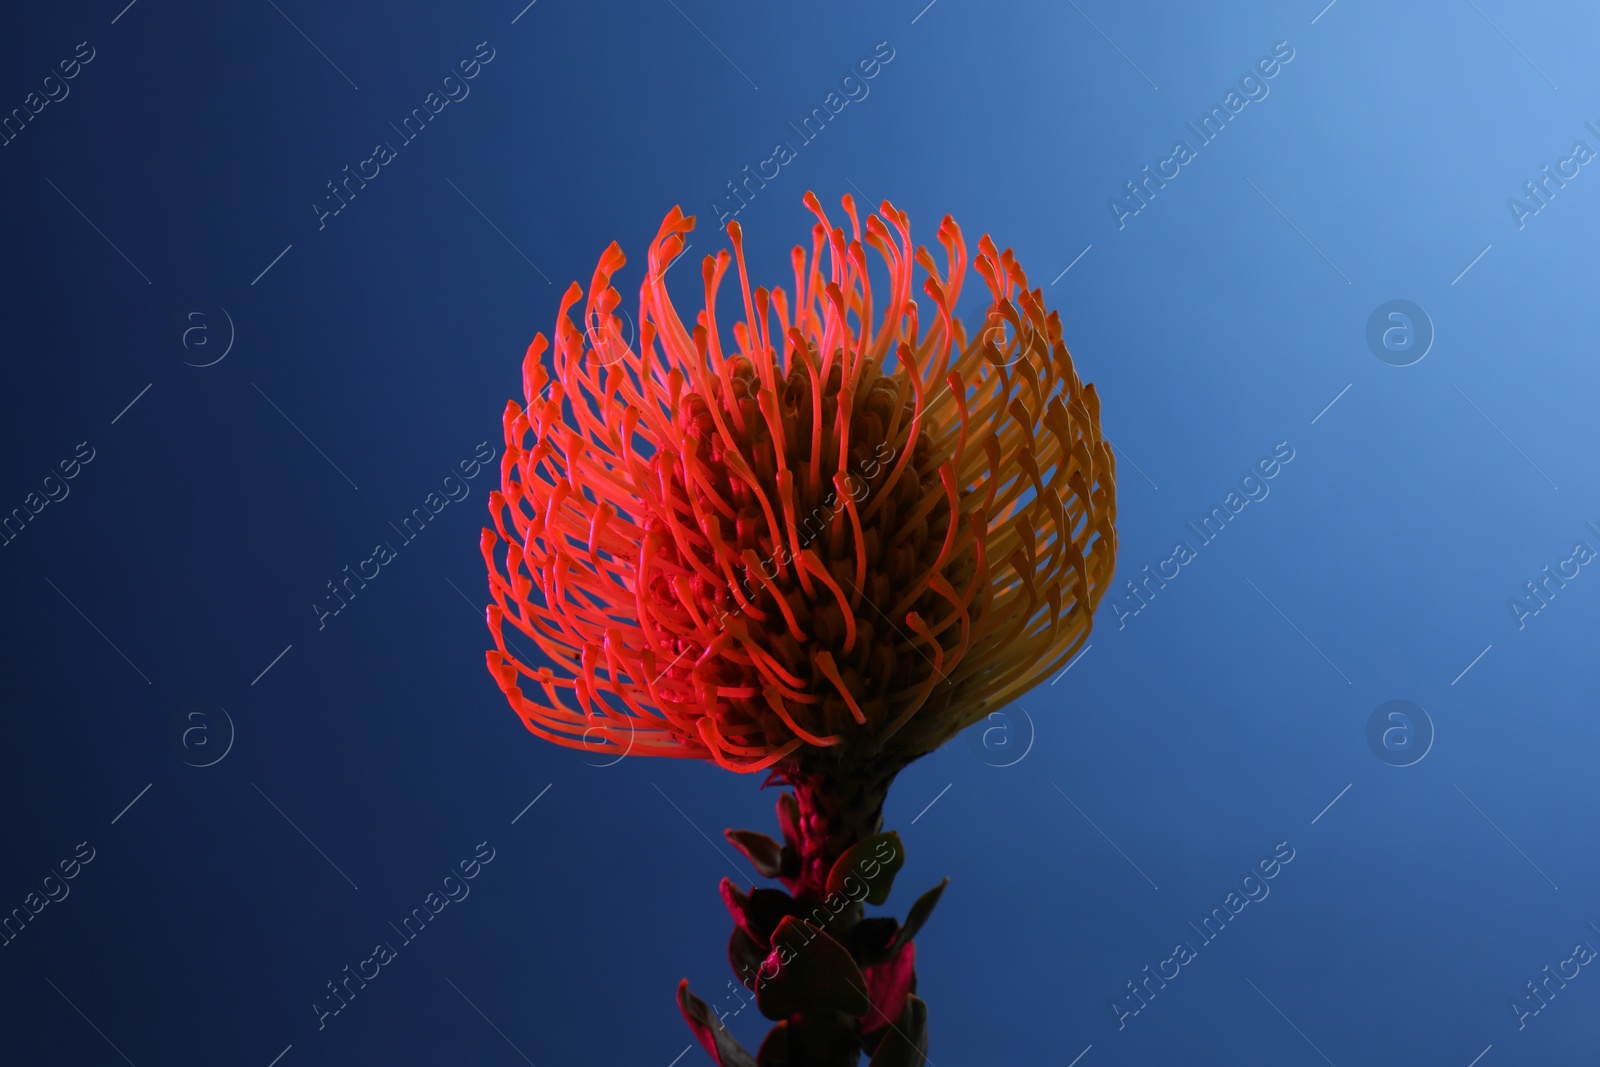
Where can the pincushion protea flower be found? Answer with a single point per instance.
(818, 543)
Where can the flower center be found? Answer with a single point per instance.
(788, 531)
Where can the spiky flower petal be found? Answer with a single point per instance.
(840, 528)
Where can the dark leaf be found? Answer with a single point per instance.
(759, 912)
(746, 957)
(738, 904)
(712, 1035)
(808, 969)
(791, 867)
(789, 819)
(764, 854)
(919, 914)
(905, 1044)
(870, 1039)
(768, 908)
(888, 984)
(873, 862)
(823, 1039)
(872, 940)
(775, 1049)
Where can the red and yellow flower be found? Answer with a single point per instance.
(817, 542)
(837, 530)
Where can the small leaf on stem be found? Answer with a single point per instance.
(905, 1044)
(764, 854)
(919, 914)
(712, 1035)
(874, 861)
(807, 969)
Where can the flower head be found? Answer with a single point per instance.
(840, 524)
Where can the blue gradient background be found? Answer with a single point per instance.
(1195, 739)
